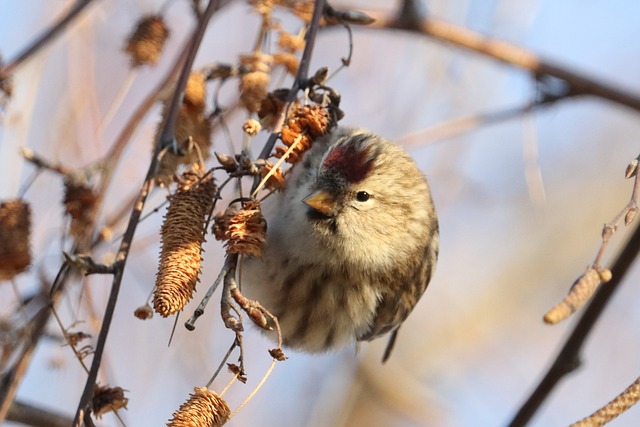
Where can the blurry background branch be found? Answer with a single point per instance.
(411, 19)
(45, 38)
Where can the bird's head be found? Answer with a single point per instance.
(365, 189)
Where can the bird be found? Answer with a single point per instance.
(351, 244)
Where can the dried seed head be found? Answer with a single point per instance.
(106, 399)
(182, 235)
(304, 125)
(254, 83)
(276, 181)
(288, 60)
(205, 408)
(291, 42)
(80, 203)
(143, 312)
(244, 229)
(193, 131)
(221, 223)
(15, 231)
(145, 44)
(251, 127)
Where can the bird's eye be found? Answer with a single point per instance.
(362, 196)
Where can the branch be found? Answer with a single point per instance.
(46, 37)
(569, 357)
(166, 137)
(35, 416)
(508, 53)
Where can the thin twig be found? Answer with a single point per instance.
(569, 357)
(221, 365)
(255, 390)
(166, 135)
(199, 311)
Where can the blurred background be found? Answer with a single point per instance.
(521, 206)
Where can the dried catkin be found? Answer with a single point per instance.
(243, 230)
(205, 408)
(303, 126)
(145, 44)
(182, 236)
(15, 231)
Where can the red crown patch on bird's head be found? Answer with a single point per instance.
(351, 160)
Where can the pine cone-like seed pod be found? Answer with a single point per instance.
(205, 408)
(182, 236)
(106, 399)
(246, 230)
(145, 44)
(15, 232)
(304, 125)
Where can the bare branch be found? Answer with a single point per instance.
(578, 83)
(35, 416)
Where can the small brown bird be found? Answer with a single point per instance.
(351, 245)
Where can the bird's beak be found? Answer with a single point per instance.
(321, 201)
